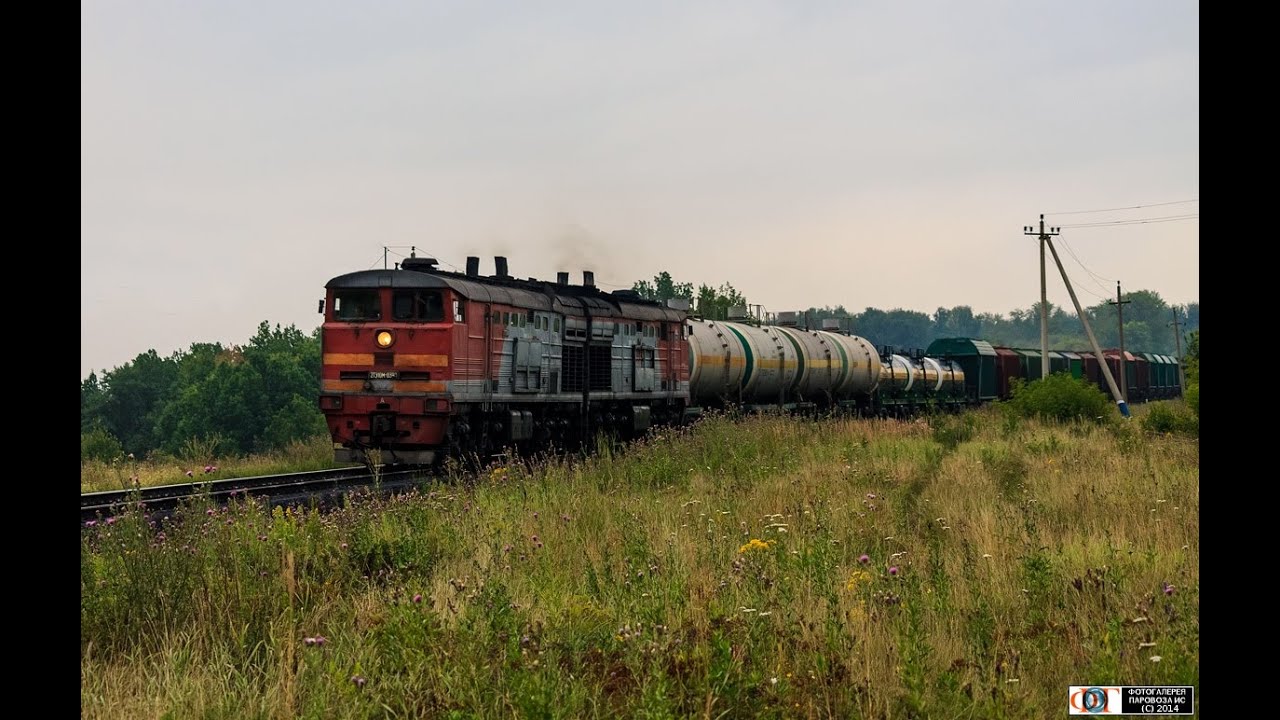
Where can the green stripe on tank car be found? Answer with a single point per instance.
(844, 364)
(795, 382)
(746, 350)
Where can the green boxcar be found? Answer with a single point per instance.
(1058, 363)
(978, 360)
(1030, 360)
(1075, 363)
(1156, 373)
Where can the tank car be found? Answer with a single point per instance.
(776, 366)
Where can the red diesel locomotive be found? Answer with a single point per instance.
(420, 363)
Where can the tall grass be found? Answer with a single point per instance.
(763, 568)
(198, 461)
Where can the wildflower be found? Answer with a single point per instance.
(773, 681)
(215, 468)
(343, 546)
(1156, 658)
(111, 521)
(506, 548)
(209, 512)
(864, 558)
(893, 570)
(90, 523)
(1168, 589)
(871, 496)
(358, 680)
(208, 468)
(130, 456)
(263, 538)
(417, 598)
(565, 517)
(189, 473)
(756, 545)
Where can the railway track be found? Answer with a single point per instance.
(285, 489)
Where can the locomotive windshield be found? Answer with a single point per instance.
(357, 305)
(419, 305)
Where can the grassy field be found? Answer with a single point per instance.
(972, 567)
(200, 464)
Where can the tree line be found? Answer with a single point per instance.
(233, 399)
(1147, 320)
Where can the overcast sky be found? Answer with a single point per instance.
(237, 155)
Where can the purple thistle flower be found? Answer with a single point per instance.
(864, 558)
(344, 546)
(111, 521)
(358, 680)
(189, 473)
(1168, 589)
(417, 598)
(209, 512)
(893, 570)
(309, 641)
(90, 523)
(215, 468)
(208, 468)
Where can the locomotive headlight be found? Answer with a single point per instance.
(385, 338)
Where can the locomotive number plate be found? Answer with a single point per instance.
(383, 374)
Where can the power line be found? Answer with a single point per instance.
(1135, 207)
(1137, 221)
(1093, 275)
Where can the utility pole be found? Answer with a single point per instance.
(384, 257)
(1177, 342)
(1124, 383)
(1044, 303)
(1088, 329)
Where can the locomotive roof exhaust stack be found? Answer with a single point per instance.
(562, 278)
(588, 279)
(500, 266)
(473, 266)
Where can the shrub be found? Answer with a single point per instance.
(99, 444)
(1168, 417)
(1193, 398)
(1060, 397)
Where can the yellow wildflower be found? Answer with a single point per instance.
(857, 579)
(755, 544)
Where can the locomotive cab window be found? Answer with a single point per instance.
(357, 305)
(418, 305)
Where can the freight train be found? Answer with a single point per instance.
(420, 363)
